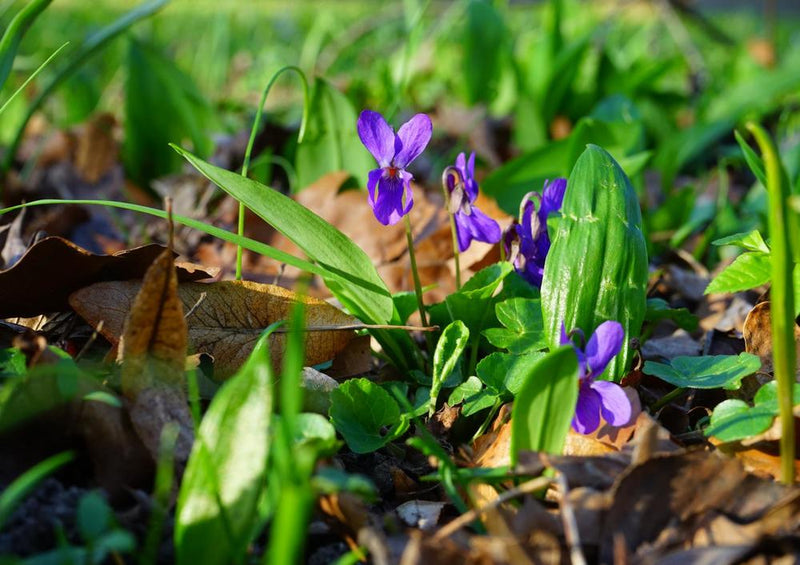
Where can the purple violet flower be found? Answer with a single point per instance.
(389, 185)
(599, 397)
(471, 223)
(527, 242)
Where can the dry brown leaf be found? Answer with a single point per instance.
(97, 150)
(152, 350)
(154, 339)
(226, 319)
(54, 268)
(757, 333)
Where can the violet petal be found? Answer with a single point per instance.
(552, 198)
(587, 411)
(614, 403)
(377, 136)
(605, 343)
(373, 178)
(413, 136)
(388, 202)
(475, 226)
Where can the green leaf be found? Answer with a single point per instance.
(658, 309)
(315, 432)
(733, 419)
(93, 516)
(481, 67)
(14, 33)
(473, 395)
(90, 46)
(360, 410)
(473, 303)
(155, 86)
(12, 362)
(331, 141)
(504, 373)
(226, 472)
(366, 296)
(751, 241)
(597, 267)
(747, 271)
(524, 329)
(511, 181)
(752, 159)
(711, 371)
(448, 352)
(544, 408)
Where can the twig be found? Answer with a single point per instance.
(525, 488)
(570, 524)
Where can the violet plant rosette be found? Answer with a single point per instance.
(470, 223)
(527, 242)
(597, 397)
(389, 186)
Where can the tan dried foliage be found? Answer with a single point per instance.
(53, 268)
(225, 319)
(154, 338)
(152, 350)
(757, 333)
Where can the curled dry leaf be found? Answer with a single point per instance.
(54, 267)
(153, 354)
(757, 333)
(225, 319)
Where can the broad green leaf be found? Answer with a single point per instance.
(504, 373)
(545, 405)
(734, 419)
(747, 271)
(596, 269)
(711, 371)
(331, 141)
(658, 309)
(227, 469)
(360, 410)
(448, 352)
(524, 329)
(366, 296)
(155, 86)
(314, 431)
(752, 159)
(473, 303)
(473, 395)
(14, 33)
(93, 516)
(751, 241)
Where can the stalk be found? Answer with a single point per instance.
(782, 297)
(454, 174)
(251, 141)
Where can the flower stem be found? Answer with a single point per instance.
(454, 174)
(254, 130)
(782, 299)
(417, 284)
(667, 398)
